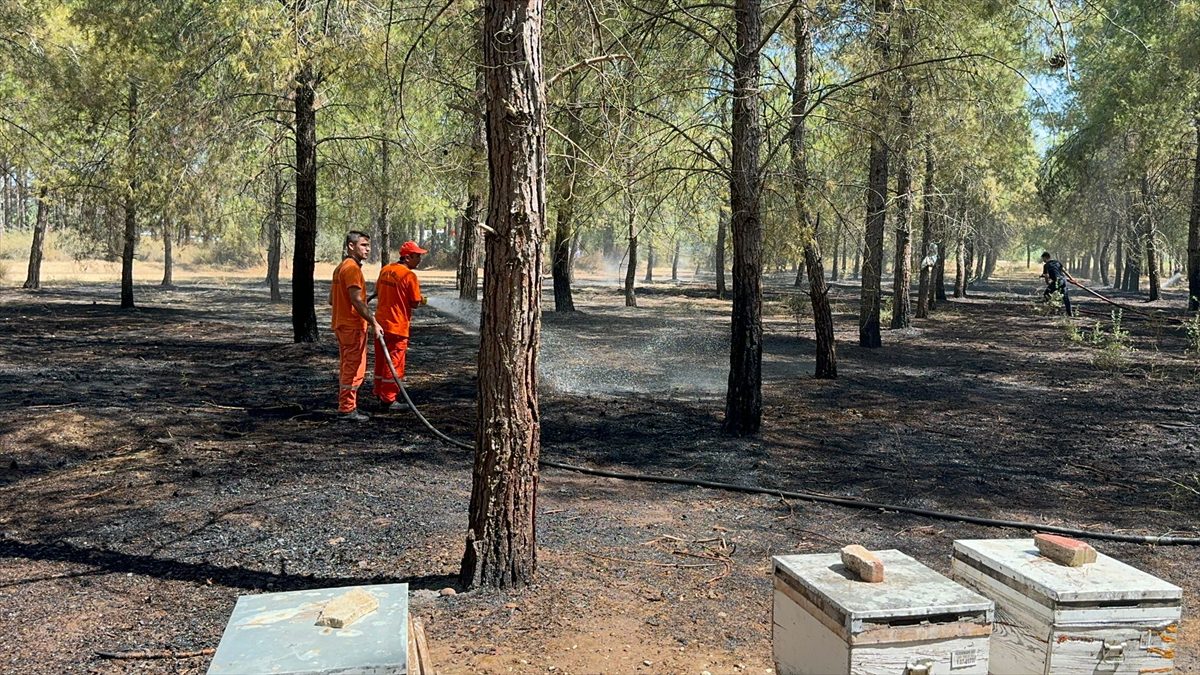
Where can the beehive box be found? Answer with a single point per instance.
(828, 622)
(1102, 617)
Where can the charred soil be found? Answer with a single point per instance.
(157, 463)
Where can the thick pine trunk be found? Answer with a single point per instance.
(743, 398)
(304, 256)
(129, 239)
(33, 279)
(869, 334)
(818, 290)
(501, 546)
(168, 280)
(275, 234)
(719, 252)
(924, 284)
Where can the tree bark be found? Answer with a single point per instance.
(1149, 233)
(1193, 245)
(631, 268)
(675, 261)
(168, 280)
(129, 240)
(561, 262)
(743, 398)
(1118, 280)
(837, 245)
(468, 261)
(924, 286)
(818, 291)
(501, 546)
(719, 252)
(960, 277)
(384, 220)
(902, 262)
(33, 278)
(869, 334)
(649, 262)
(304, 255)
(275, 234)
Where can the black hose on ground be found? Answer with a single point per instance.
(1161, 540)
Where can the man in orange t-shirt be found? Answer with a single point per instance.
(399, 292)
(351, 321)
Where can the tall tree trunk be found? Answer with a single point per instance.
(1103, 259)
(877, 185)
(818, 291)
(384, 219)
(564, 225)
(960, 262)
(631, 268)
(468, 260)
(719, 252)
(304, 255)
(924, 284)
(168, 280)
(501, 546)
(1118, 281)
(743, 398)
(902, 263)
(649, 262)
(129, 240)
(6, 200)
(275, 234)
(33, 279)
(837, 246)
(1149, 232)
(675, 261)
(1193, 244)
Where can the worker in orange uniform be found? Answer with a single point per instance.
(399, 292)
(352, 320)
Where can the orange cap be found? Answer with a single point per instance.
(411, 247)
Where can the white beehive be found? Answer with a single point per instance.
(915, 621)
(1101, 617)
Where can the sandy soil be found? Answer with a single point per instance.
(158, 463)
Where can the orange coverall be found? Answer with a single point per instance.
(351, 332)
(398, 291)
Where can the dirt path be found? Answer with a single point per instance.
(158, 463)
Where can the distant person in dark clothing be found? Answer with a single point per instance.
(1056, 278)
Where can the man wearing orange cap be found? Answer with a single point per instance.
(399, 292)
(352, 320)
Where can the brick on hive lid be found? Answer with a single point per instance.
(1064, 550)
(865, 565)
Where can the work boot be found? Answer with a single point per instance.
(395, 405)
(354, 416)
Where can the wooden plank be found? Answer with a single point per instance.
(802, 644)
(968, 655)
(1115, 651)
(1036, 617)
(418, 649)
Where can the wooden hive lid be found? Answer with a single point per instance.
(1018, 564)
(909, 592)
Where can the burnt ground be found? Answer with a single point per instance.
(157, 463)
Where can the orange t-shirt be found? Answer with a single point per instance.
(398, 291)
(348, 275)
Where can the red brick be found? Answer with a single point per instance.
(862, 563)
(1064, 550)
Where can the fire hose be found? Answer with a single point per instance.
(1149, 315)
(1161, 540)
